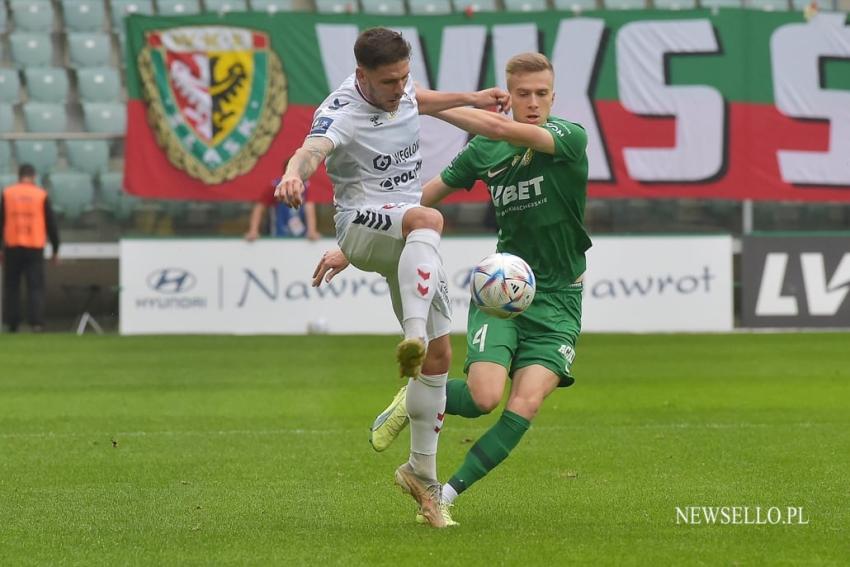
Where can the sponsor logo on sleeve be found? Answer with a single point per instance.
(558, 129)
(321, 125)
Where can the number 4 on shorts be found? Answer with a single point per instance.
(480, 337)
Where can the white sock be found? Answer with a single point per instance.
(449, 493)
(426, 406)
(418, 267)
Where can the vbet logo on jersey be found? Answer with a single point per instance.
(215, 97)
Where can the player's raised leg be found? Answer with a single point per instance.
(418, 269)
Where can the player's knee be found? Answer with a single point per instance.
(486, 401)
(423, 217)
(526, 406)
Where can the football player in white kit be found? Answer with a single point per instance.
(368, 132)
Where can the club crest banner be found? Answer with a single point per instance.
(709, 104)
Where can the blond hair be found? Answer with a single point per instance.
(527, 63)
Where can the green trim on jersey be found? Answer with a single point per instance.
(539, 199)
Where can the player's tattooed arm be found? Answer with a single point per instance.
(499, 127)
(432, 102)
(301, 166)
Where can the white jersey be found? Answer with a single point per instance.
(376, 157)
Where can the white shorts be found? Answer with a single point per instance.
(371, 239)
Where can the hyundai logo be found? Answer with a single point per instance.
(171, 280)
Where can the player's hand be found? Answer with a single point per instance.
(494, 97)
(313, 235)
(290, 191)
(332, 263)
(252, 235)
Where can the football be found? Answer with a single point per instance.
(502, 285)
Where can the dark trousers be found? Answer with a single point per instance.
(29, 263)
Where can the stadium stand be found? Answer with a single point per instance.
(84, 15)
(769, 5)
(224, 6)
(720, 3)
(337, 6)
(61, 77)
(113, 198)
(88, 156)
(104, 117)
(47, 84)
(526, 5)
(31, 49)
(10, 86)
(475, 5)
(430, 7)
(45, 117)
(72, 193)
(5, 157)
(625, 4)
(575, 5)
(33, 15)
(122, 8)
(42, 154)
(387, 7)
(7, 118)
(273, 6)
(89, 49)
(99, 84)
(675, 4)
(179, 8)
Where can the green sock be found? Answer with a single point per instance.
(493, 447)
(459, 400)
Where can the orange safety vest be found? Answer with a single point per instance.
(23, 207)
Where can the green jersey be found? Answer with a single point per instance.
(539, 199)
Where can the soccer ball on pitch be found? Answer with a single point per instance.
(502, 285)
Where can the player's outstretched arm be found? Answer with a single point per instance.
(435, 191)
(301, 166)
(499, 127)
(432, 102)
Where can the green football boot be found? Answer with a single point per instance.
(390, 422)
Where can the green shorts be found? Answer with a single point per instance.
(545, 334)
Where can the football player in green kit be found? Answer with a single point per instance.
(536, 170)
(535, 167)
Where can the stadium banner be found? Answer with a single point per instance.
(724, 104)
(658, 284)
(173, 286)
(796, 281)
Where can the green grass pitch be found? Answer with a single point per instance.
(254, 451)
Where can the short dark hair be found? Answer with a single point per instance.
(26, 170)
(376, 47)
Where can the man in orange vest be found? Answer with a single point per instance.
(26, 222)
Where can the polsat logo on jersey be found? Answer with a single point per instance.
(171, 287)
(215, 97)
